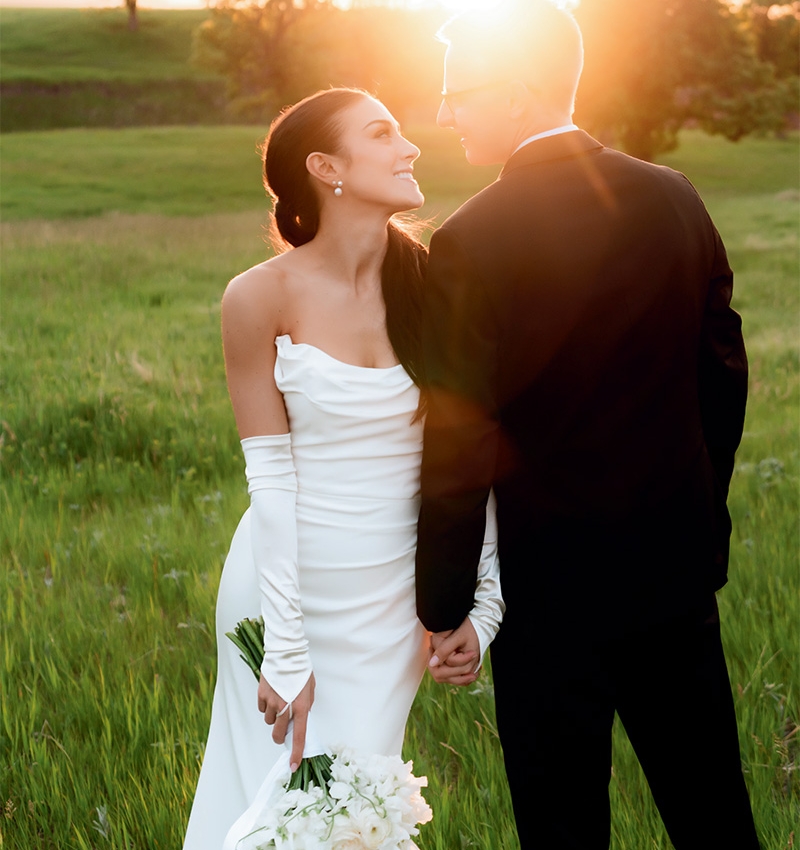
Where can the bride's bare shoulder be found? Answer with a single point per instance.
(266, 292)
(260, 286)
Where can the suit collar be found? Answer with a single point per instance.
(562, 146)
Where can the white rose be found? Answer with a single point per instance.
(373, 828)
(344, 835)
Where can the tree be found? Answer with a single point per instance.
(776, 30)
(273, 52)
(266, 50)
(654, 65)
(392, 53)
(133, 21)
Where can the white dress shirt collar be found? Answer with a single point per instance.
(566, 128)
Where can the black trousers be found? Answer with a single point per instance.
(556, 700)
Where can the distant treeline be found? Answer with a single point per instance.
(652, 66)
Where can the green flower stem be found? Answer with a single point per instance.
(248, 636)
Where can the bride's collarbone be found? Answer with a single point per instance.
(335, 316)
(348, 344)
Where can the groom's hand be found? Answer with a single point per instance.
(278, 714)
(455, 655)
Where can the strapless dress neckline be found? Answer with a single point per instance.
(286, 340)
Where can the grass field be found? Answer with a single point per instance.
(123, 482)
(80, 45)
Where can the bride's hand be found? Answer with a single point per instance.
(278, 714)
(455, 655)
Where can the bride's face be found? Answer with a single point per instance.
(376, 160)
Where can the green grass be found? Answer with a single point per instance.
(201, 170)
(84, 68)
(81, 45)
(190, 171)
(751, 166)
(169, 171)
(122, 483)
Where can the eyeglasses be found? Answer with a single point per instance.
(454, 99)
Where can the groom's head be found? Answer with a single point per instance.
(509, 73)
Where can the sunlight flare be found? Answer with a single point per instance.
(490, 7)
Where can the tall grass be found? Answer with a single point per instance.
(122, 484)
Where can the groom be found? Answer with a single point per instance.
(583, 359)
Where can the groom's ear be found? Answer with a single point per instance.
(518, 100)
(321, 166)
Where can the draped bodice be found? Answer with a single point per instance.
(345, 419)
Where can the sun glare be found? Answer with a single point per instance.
(454, 6)
(489, 6)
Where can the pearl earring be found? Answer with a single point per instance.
(338, 188)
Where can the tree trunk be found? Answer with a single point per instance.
(133, 21)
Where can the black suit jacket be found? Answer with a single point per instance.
(582, 358)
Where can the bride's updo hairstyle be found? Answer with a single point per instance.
(313, 124)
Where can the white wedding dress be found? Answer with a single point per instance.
(357, 455)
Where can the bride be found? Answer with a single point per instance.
(322, 354)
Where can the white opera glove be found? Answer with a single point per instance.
(272, 484)
(487, 612)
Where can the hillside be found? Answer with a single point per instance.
(84, 68)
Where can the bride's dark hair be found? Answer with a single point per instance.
(312, 125)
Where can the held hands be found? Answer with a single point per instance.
(278, 714)
(455, 655)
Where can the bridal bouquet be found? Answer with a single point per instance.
(343, 801)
